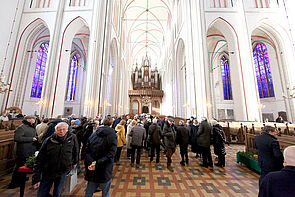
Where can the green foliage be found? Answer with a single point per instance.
(30, 162)
(250, 154)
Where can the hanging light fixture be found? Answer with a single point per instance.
(4, 87)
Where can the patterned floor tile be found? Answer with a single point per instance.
(154, 180)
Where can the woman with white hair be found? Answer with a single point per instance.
(131, 124)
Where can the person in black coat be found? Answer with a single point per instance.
(116, 121)
(155, 134)
(58, 155)
(182, 138)
(99, 158)
(193, 130)
(203, 141)
(51, 127)
(219, 143)
(88, 128)
(25, 138)
(169, 134)
(146, 126)
(270, 157)
(280, 183)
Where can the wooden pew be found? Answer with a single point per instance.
(284, 140)
(7, 160)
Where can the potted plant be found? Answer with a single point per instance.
(249, 159)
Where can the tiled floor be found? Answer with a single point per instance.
(154, 180)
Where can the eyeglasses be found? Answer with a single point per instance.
(65, 129)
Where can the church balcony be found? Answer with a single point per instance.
(146, 93)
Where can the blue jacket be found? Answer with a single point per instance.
(279, 184)
(270, 157)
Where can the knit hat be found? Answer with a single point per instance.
(76, 122)
(29, 117)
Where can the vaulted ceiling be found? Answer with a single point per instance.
(146, 23)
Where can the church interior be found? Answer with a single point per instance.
(227, 60)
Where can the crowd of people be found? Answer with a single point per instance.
(64, 142)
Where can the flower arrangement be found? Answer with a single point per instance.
(31, 160)
(253, 155)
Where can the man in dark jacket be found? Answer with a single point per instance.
(25, 138)
(270, 157)
(169, 134)
(182, 138)
(99, 159)
(58, 155)
(116, 120)
(155, 137)
(280, 183)
(203, 141)
(137, 135)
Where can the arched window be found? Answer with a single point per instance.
(227, 93)
(72, 82)
(263, 73)
(38, 79)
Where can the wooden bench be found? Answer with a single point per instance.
(11, 124)
(284, 140)
(7, 160)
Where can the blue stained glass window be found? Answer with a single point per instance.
(72, 81)
(38, 79)
(263, 72)
(227, 93)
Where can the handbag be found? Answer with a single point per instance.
(71, 181)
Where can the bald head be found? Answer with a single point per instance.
(289, 155)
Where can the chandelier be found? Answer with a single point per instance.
(4, 87)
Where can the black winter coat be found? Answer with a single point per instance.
(204, 134)
(56, 157)
(51, 128)
(23, 136)
(155, 133)
(79, 132)
(87, 132)
(270, 157)
(116, 121)
(193, 129)
(218, 140)
(278, 184)
(101, 147)
(182, 137)
(169, 134)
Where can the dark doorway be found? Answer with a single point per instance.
(283, 114)
(145, 109)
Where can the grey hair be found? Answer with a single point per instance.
(268, 129)
(155, 120)
(214, 122)
(181, 122)
(61, 123)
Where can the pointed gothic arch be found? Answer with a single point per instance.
(271, 59)
(26, 64)
(223, 39)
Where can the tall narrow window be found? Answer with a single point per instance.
(38, 79)
(72, 82)
(227, 93)
(263, 72)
